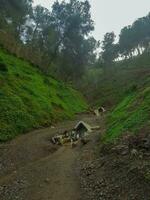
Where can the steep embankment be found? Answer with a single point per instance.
(132, 114)
(29, 99)
(124, 90)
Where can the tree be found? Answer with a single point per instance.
(134, 39)
(141, 28)
(15, 14)
(110, 49)
(72, 22)
(56, 40)
(126, 41)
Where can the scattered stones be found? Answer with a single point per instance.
(121, 149)
(13, 191)
(116, 175)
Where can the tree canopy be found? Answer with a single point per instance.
(133, 40)
(56, 40)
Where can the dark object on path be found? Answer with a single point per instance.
(82, 129)
(99, 111)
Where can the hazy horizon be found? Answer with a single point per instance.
(111, 15)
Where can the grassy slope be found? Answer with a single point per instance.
(132, 113)
(28, 99)
(124, 89)
(130, 116)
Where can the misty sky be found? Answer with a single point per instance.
(111, 15)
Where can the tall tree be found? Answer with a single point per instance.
(72, 21)
(110, 50)
(15, 13)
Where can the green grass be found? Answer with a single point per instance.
(29, 99)
(124, 90)
(130, 116)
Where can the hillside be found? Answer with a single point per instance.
(129, 95)
(30, 99)
(124, 90)
(131, 115)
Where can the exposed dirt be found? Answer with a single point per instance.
(31, 168)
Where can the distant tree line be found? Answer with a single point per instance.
(57, 40)
(133, 40)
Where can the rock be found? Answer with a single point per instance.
(121, 149)
(134, 153)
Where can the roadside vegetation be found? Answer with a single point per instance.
(29, 99)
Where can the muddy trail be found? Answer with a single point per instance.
(32, 168)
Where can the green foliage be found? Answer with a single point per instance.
(73, 24)
(135, 39)
(29, 99)
(110, 51)
(57, 40)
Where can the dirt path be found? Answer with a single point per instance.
(31, 168)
